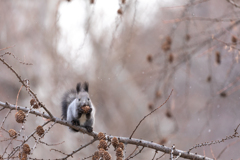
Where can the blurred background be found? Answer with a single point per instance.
(132, 53)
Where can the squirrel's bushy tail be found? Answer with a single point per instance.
(66, 100)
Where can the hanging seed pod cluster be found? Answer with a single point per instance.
(103, 146)
(102, 152)
(119, 147)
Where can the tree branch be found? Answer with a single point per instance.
(125, 140)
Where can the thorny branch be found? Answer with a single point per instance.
(125, 140)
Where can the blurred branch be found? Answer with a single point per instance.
(125, 140)
(226, 148)
(233, 3)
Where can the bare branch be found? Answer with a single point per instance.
(150, 114)
(235, 135)
(125, 140)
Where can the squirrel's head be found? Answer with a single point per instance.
(82, 95)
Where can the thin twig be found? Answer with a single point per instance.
(87, 157)
(161, 156)
(154, 155)
(235, 135)
(84, 146)
(137, 153)
(149, 114)
(51, 144)
(132, 153)
(58, 151)
(219, 155)
(6, 48)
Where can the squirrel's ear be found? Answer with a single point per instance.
(78, 88)
(85, 86)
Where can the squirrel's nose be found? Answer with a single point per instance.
(84, 103)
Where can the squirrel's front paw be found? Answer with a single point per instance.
(89, 128)
(75, 122)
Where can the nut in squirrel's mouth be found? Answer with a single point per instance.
(85, 109)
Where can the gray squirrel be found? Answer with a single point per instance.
(72, 107)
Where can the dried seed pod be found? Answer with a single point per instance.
(35, 106)
(115, 142)
(40, 130)
(26, 149)
(187, 37)
(102, 144)
(12, 133)
(218, 57)
(91, 1)
(149, 58)
(223, 94)
(22, 155)
(163, 141)
(20, 116)
(168, 113)
(170, 58)
(96, 155)
(166, 47)
(101, 152)
(32, 102)
(150, 106)
(209, 78)
(120, 12)
(121, 145)
(106, 156)
(119, 158)
(167, 44)
(119, 152)
(158, 94)
(101, 136)
(123, 1)
(85, 109)
(234, 39)
(169, 40)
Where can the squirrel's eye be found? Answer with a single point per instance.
(79, 99)
(88, 99)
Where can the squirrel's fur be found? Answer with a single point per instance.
(72, 104)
